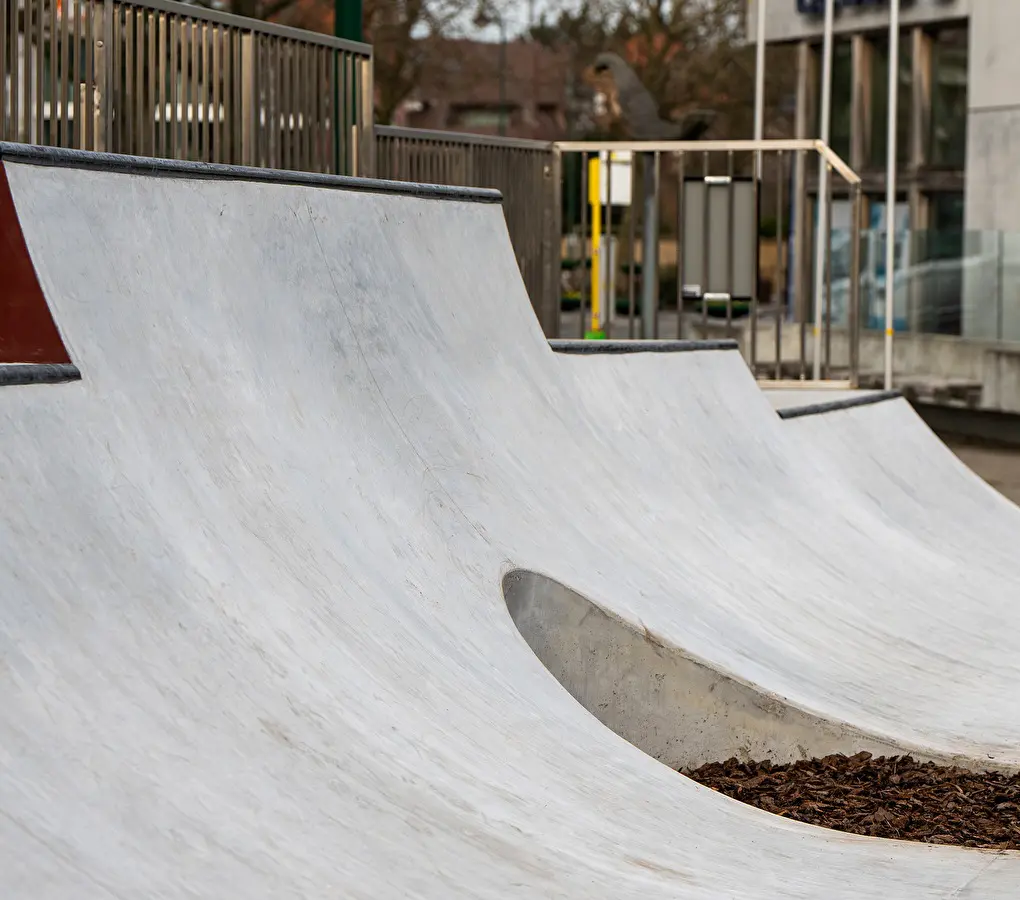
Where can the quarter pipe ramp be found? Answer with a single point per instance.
(253, 639)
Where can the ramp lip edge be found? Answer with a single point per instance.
(816, 409)
(62, 157)
(38, 373)
(586, 348)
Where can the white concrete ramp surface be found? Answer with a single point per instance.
(253, 637)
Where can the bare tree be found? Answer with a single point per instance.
(404, 33)
(690, 55)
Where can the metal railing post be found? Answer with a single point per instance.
(854, 303)
(249, 106)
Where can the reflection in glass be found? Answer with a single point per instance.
(947, 139)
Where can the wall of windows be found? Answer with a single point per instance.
(880, 101)
(947, 141)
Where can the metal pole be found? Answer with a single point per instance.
(583, 309)
(759, 76)
(680, 175)
(759, 133)
(347, 18)
(823, 174)
(650, 254)
(890, 196)
(502, 76)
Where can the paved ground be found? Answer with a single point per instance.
(999, 466)
(256, 569)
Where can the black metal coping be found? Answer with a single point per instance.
(37, 373)
(618, 347)
(61, 157)
(816, 409)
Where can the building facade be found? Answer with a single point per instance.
(958, 129)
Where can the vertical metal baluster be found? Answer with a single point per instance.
(758, 169)
(608, 307)
(828, 280)
(176, 81)
(584, 242)
(730, 286)
(194, 123)
(202, 120)
(705, 261)
(68, 83)
(53, 135)
(657, 212)
(854, 323)
(115, 84)
(308, 132)
(8, 10)
(297, 83)
(287, 103)
(681, 166)
(32, 14)
(269, 73)
(263, 104)
(161, 85)
(217, 79)
(315, 126)
(71, 63)
(234, 110)
(125, 109)
(86, 127)
(632, 238)
(805, 279)
(183, 92)
(196, 91)
(323, 66)
(142, 85)
(40, 71)
(780, 263)
(275, 47)
(329, 145)
(15, 105)
(348, 106)
(210, 95)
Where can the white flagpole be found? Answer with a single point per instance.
(759, 75)
(823, 187)
(890, 199)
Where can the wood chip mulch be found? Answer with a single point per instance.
(889, 797)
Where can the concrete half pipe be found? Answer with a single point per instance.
(254, 641)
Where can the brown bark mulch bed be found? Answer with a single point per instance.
(889, 796)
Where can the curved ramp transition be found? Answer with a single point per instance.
(253, 642)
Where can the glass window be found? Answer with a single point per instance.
(947, 141)
(842, 89)
(880, 101)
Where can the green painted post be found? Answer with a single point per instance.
(347, 19)
(347, 24)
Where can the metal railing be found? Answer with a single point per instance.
(524, 171)
(165, 79)
(773, 329)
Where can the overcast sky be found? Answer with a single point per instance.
(515, 13)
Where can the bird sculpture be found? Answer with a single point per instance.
(631, 104)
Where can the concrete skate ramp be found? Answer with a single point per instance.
(883, 448)
(254, 642)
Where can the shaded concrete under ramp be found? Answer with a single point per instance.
(254, 641)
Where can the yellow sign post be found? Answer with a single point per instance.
(595, 202)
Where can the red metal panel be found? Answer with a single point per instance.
(28, 333)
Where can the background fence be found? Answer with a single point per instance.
(525, 171)
(158, 78)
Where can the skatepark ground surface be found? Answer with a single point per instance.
(998, 465)
(330, 578)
